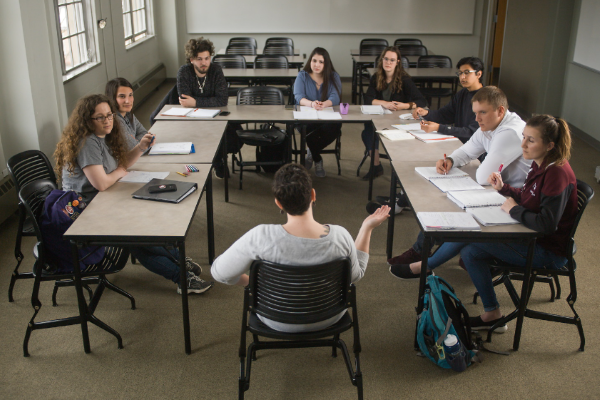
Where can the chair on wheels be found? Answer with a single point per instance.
(430, 92)
(408, 42)
(268, 135)
(236, 61)
(584, 195)
(32, 196)
(26, 167)
(299, 295)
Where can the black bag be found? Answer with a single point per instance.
(270, 153)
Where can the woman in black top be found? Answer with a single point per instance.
(392, 88)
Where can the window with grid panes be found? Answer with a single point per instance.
(135, 20)
(75, 36)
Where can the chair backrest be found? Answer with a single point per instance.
(230, 61)
(260, 95)
(295, 294)
(171, 98)
(271, 61)
(413, 50)
(405, 63)
(408, 42)
(279, 41)
(243, 40)
(29, 166)
(284, 50)
(371, 49)
(434, 62)
(33, 195)
(371, 41)
(244, 49)
(584, 195)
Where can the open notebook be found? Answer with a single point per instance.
(490, 216)
(433, 137)
(460, 221)
(191, 112)
(311, 113)
(453, 180)
(476, 198)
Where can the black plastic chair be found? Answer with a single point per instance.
(368, 49)
(171, 98)
(413, 50)
(299, 295)
(430, 92)
(32, 196)
(242, 49)
(283, 50)
(236, 61)
(242, 40)
(26, 167)
(408, 42)
(279, 41)
(271, 61)
(372, 41)
(584, 195)
(268, 135)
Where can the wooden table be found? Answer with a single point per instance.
(115, 218)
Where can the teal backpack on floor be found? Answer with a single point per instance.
(443, 314)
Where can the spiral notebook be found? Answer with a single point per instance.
(491, 216)
(459, 221)
(476, 198)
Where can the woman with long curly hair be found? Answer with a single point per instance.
(392, 88)
(92, 155)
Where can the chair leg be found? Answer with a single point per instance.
(94, 320)
(336, 339)
(241, 164)
(362, 162)
(132, 259)
(338, 153)
(116, 289)
(557, 283)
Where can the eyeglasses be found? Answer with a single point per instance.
(465, 73)
(102, 118)
(389, 60)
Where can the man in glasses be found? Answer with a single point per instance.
(456, 118)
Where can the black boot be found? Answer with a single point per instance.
(376, 171)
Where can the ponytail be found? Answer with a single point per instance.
(562, 146)
(554, 130)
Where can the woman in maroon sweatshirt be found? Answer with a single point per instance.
(547, 203)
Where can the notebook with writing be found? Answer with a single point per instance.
(184, 189)
(476, 198)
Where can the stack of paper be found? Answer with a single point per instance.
(417, 132)
(191, 112)
(311, 113)
(396, 134)
(171, 148)
(406, 116)
(459, 183)
(431, 173)
(371, 109)
(476, 198)
(489, 216)
(459, 221)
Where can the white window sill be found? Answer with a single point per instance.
(134, 44)
(79, 70)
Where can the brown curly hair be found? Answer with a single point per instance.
(80, 127)
(399, 72)
(195, 46)
(292, 186)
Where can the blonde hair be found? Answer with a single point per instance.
(555, 130)
(399, 72)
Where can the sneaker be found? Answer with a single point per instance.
(193, 266)
(319, 170)
(308, 161)
(403, 271)
(477, 324)
(400, 201)
(408, 257)
(373, 206)
(376, 171)
(195, 284)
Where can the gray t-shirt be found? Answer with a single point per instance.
(133, 131)
(273, 243)
(93, 152)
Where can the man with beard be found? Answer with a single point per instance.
(202, 84)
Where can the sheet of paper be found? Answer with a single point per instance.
(415, 126)
(306, 108)
(476, 198)
(464, 183)
(377, 109)
(431, 172)
(203, 113)
(329, 115)
(461, 221)
(178, 111)
(311, 113)
(396, 134)
(489, 216)
(171, 148)
(406, 116)
(432, 137)
(142, 176)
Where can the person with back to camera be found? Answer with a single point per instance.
(121, 92)
(300, 241)
(201, 83)
(318, 86)
(92, 155)
(546, 203)
(500, 134)
(392, 88)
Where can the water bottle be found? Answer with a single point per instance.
(455, 353)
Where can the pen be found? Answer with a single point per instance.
(445, 164)
(181, 174)
(500, 169)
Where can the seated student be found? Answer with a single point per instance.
(318, 86)
(546, 203)
(121, 92)
(500, 133)
(300, 241)
(92, 155)
(390, 87)
(201, 83)
(459, 112)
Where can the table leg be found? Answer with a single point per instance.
(372, 163)
(81, 303)
(524, 295)
(353, 81)
(422, 280)
(210, 223)
(390, 234)
(224, 160)
(184, 298)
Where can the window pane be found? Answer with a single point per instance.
(71, 19)
(64, 23)
(127, 24)
(75, 50)
(136, 22)
(138, 37)
(128, 42)
(61, 2)
(137, 4)
(85, 57)
(67, 54)
(125, 4)
(79, 10)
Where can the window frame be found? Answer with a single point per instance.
(148, 32)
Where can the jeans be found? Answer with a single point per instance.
(477, 258)
(418, 245)
(367, 137)
(444, 253)
(159, 260)
(320, 136)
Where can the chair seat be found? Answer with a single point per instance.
(256, 326)
(262, 137)
(104, 266)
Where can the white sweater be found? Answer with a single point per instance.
(503, 146)
(273, 243)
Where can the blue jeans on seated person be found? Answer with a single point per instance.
(367, 137)
(159, 260)
(418, 245)
(444, 253)
(478, 256)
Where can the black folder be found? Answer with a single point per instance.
(184, 189)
